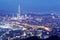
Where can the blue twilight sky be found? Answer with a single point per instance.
(31, 5)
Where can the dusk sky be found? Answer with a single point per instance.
(31, 5)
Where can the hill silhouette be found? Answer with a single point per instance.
(36, 38)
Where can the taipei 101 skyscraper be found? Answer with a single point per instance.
(18, 14)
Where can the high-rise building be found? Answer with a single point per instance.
(18, 15)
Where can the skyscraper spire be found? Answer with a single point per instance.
(18, 15)
(19, 9)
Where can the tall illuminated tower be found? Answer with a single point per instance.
(18, 14)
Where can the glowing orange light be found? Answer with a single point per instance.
(24, 28)
(46, 28)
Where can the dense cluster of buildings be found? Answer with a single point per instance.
(27, 25)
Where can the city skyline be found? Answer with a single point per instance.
(22, 19)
